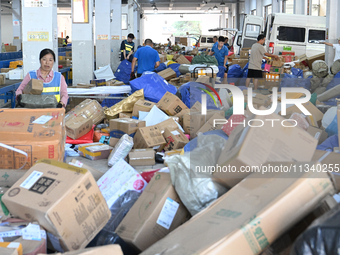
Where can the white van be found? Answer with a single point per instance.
(298, 33)
(206, 41)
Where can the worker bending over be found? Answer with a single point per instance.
(220, 51)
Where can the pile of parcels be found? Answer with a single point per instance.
(188, 206)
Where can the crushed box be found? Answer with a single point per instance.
(148, 137)
(171, 104)
(175, 139)
(64, 199)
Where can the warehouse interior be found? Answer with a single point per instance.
(169, 127)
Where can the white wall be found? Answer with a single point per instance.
(252, 5)
(267, 2)
(6, 29)
(125, 10)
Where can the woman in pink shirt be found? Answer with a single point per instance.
(54, 82)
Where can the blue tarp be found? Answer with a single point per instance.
(154, 86)
(221, 71)
(175, 67)
(330, 143)
(289, 81)
(193, 143)
(334, 82)
(161, 67)
(123, 71)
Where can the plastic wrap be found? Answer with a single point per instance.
(315, 83)
(335, 82)
(329, 116)
(125, 105)
(175, 68)
(307, 74)
(38, 101)
(121, 149)
(335, 68)
(197, 190)
(118, 211)
(327, 80)
(204, 59)
(329, 144)
(322, 237)
(154, 87)
(319, 90)
(320, 68)
(332, 129)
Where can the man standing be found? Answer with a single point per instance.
(148, 59)
(169, 43)
(127, 48)
(336, 47)
(226, 43)
(221, 54)
(255, 62)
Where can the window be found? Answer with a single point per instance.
(203, 39)
(253, 12)
(252, 30)
(291, 34)
(288, 6)
(210, 39)
(239, 40)
(316, 35)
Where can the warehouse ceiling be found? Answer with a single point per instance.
(174, 5)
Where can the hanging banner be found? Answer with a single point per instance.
(80, 11)
(115, 37)
(102, 37)
(37, 36)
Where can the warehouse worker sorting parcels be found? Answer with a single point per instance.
(127, 48)
(335, 46)
(255, 61)
(54, 82)
(220, 51)
(148, 59)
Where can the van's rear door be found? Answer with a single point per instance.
(252, 27)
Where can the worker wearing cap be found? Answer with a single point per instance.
(336, 47)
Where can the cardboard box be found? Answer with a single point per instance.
(120, 178)
(11, 248)
(182, 60)
(2, 79)
(94, 151)
(171, 104)
(113, 141)
(143, 106)
(232, 123)
(110, 249)
(120, 127)
(181, 114)
(241, 221)
(240, 62)
(317, 114)
(244, 54)
(68, 54)
(125, 115)
(38, 132)
(6, 70)
(169, 123)
(214, 123)
(95, 173)
(253, 146)
(98, 82)
(175, 139)
(34, 87)
(9, 177)
(162, 58)
(148, 137)
(271, 84)
(79, 120)
(11, 48)
(142, 157)
(157, 212)
(183, 40)
(37, 196)
(193, 121)
(311, 60)
(168, 74)
(258, 99)
(318, 134)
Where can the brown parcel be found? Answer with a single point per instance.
(318, 134)
(8, 251)
(111, 249)
(253, 146)
(142, 105)
(95, 173)
(162, 58)
(258, 99)
(142, 157)
(6, 70)
(143, 225)
(80, 119)
(193, 121)
(148, 137)
(169, 123)
(175, 139)
(182, 60)
(171, 104)
(214, 123)
(241, 221)
(244, 54)
(241, 62)
(125, 115)
(119, 127)
(37, 140)
(167, 74)
(2, 79)
(64, 199)
(34, 87)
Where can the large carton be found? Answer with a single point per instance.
(169, 123)
(34, 87)
(157, 212)
(148, 137)
(244, 54)
(162, 58)
(319, 134)
(175, 139)
(34, 134)
(249, 217)
(120, 178)
(79, 120)
(253, 146)
(171, 104)
(241, 62)
(120, 127)
(111, 249)
(64, 199)
(167, 74)
(182, 60)
(214, 123)
(11, 48)
(142, 157)
(96, 174)
(143, 106)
